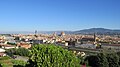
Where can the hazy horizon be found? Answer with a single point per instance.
(46, 32)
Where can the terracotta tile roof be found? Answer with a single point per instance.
(24, 45)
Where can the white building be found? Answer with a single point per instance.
(2, 50)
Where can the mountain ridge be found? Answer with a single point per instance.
(98, 30)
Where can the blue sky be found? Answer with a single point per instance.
(50, 15)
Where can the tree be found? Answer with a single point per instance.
(19, 51)
(113, 60)
(52, 56)
(22, 52)
(11, 52)
(98, 60)
(11, 43)
(92, 61)
(103, 62)
(118, 53)
(17, 38)
(0, 65)
(104, 59)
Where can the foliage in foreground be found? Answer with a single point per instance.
(19, 51)
(5, 62)
(9, 62)
(103, 60)
(19, 63)
(52, 56)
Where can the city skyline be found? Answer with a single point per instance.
(57, 15)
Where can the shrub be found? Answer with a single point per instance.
(52, 56)
(19, 63)
(19, 51)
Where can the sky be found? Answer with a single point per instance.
(56, 15)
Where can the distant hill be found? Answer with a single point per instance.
(98, 31)
(85, 31)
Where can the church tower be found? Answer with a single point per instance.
(94, 37)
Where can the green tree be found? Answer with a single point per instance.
(93, 61)
(0, 65)
(118, 53)
(11, 52)
(103, 62)
(19, 51)
(11, 43)
(17, 38)
(107, 59)
(52, 56)
(98, 60)
(113, 60)
(22, 52)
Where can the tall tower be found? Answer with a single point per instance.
(94, 37)
(35, 32)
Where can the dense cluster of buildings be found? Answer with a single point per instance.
(94, 41)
